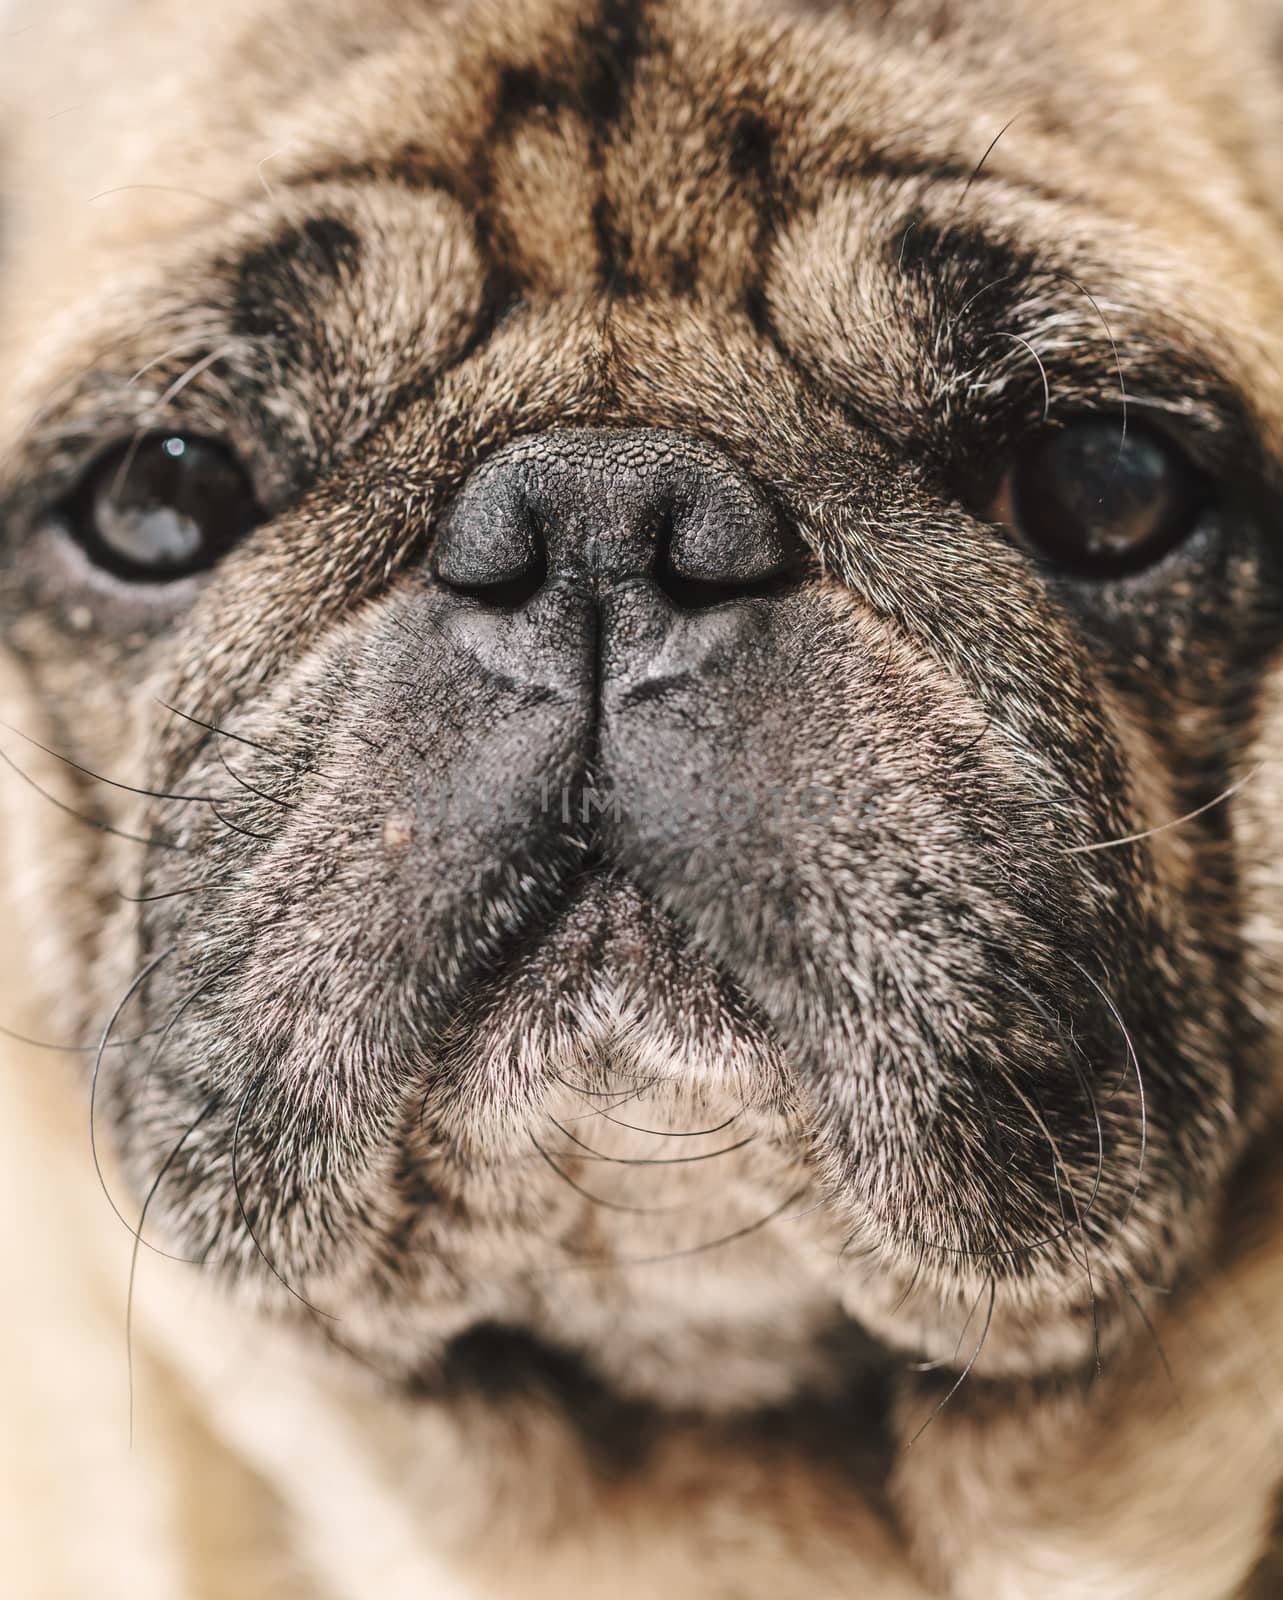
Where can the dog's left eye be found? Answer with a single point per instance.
(1098, 500)
(161, 507)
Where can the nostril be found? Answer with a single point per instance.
(697, 594)
(491, 555)
(720, 544)
(504, 594)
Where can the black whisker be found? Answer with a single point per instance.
(181, 1010)
(643, 1161)
(251, 788)
(919, 1263)
(246, 833)
(74, 1049)
(250, 1094)
(944, 1363)
(90, 822)
(966, 1371)
(238, 738)
(660, 1133)
(606, 1094)
(691, 1250)
(112, 783)
(980, 165)
(103, 1044)
(1153, 1334)
(598, 1200)
(172, 894)
(210, 1104)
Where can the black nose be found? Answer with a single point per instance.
(595, 509)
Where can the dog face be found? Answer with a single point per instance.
(613, 623)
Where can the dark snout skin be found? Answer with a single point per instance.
(578, 573)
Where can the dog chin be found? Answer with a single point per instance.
(678, 1232)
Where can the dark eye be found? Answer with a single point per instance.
(162, 507)
(1100, 501)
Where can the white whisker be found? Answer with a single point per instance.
(1163, 827)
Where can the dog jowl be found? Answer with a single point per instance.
(623, 617)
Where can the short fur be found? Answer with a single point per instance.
(870, 1192)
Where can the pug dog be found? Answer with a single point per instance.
(643, 719)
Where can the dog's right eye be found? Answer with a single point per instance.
(162, 507)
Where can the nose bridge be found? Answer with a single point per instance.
(601, 503)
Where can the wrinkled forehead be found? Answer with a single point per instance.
(577, 126)
(619, 148)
